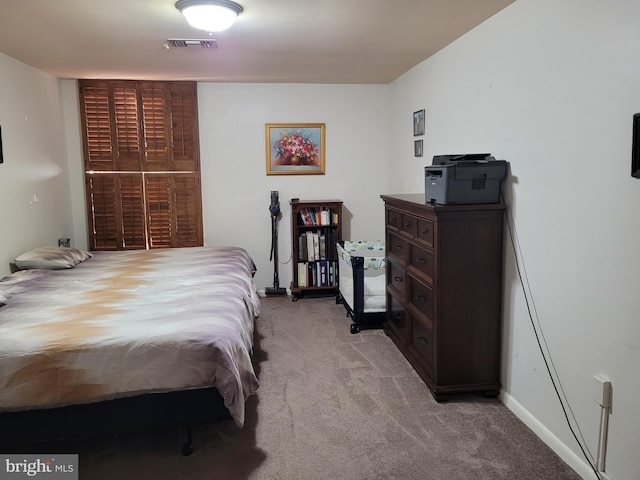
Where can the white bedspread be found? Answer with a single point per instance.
(126, 323)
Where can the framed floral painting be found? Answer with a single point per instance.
(295, 148)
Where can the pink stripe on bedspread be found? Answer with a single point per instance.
(126, 323)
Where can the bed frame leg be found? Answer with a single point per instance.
(187, 448)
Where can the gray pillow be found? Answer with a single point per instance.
(51, 258)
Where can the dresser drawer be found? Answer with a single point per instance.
(408, 224)
(396, 277)
(393, 218)
(422, 343)
(397, 247)
(422, 260)
(424, 231)
(421, 297)
(397, 317)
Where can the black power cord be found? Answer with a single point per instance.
(516, 252)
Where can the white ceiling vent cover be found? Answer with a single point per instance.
(184, 42)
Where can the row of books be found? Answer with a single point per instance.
(316, 245)
(317, 274)
(318, 216)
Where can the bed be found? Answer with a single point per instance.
(362, 282)
(106, 338)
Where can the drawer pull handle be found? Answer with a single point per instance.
(422, 260)
(425, 230)
(407, 224)
(398, 247)
(422, 298)
(397, 315)
(422, 340)
(398, 279)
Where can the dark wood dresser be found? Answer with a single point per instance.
(444, 291)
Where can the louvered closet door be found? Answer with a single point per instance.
(173, 211)
(188, 209)
(184, 127)
(116, 219)
(96, 118)
(126, 112)
(155, 124)
(142, 164)
(169, 120)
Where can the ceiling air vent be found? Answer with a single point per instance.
(183, 42)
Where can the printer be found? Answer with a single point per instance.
(464, 178)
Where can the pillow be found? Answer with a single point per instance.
(51, 258)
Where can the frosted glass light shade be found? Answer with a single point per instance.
(209, 15)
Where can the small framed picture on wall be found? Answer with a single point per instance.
(635, 148)
(418, 123)
(417, 148)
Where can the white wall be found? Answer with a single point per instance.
(235, 187)
(34, 184)
(551, 87)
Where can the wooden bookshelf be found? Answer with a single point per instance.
(316, 227)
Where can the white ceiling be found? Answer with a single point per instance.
(296, 41)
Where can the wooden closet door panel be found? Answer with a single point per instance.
(187, 210)
(147, 133)
(125, 112)
(183, 113)
(116, 214)
(96, 119)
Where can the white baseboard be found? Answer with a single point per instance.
(578, 463)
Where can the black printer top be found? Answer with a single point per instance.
(465, 157)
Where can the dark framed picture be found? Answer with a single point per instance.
(418, 123)
(417, 148)
(295, 148)
(635, 148)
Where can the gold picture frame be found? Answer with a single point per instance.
(295, 148)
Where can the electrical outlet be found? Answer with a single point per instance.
(602, 391)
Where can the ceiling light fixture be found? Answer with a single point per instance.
(209, 15)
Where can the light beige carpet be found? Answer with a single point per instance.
(333, 406)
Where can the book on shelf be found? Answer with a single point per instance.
(310, 216)
(324, 273)
(312, 275)
(325, 218)
(302, 274)
(323, 246)
(316, 246)
(302, 246)
(310, 248)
